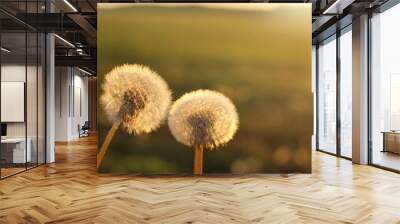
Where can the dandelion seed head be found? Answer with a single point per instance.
(137, 97)
(203, 117)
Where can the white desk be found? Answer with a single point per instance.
(18, 155)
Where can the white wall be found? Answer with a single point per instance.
(80, 104)
(11, 73)
(15, 73)
(62, 81)
(71, 102)
(33, 127)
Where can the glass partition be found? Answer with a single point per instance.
(14, 153)
(327, 95)
(22, 88)
(41, 96)
(31, 98)
(385, 89)
(346, 93)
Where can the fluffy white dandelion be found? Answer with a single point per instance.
(135, 98)
(203, 119)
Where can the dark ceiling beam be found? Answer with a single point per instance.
(91, 5)
(203, 1)
(331, 16)
(332, 29)
(337, 7)
(57, 22)
(86, 51)
(15, 18)
(11, 25)
(49, 22)
(84, 24)
(78, 61)
(321, 22)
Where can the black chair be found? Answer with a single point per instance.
(84, 130)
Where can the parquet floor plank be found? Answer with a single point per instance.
(71, 191)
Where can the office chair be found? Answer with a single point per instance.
(84, 130)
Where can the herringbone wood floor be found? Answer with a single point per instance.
(70, 191)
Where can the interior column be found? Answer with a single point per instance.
(360, 90)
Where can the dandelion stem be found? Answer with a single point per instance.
(106, 143)
(198, 160)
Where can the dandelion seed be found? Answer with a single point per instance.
(203, 119)
(135, 98)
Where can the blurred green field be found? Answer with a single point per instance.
(260, 59)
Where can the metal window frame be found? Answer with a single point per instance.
(386, 6)
(339, 32)
(381, 9)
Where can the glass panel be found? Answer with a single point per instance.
(41, 98)
(13, 86)
(313, 75)
(346, 94)
(386, 89)
(23, 90)
(31, 98)
(327, 96)
(32, 88)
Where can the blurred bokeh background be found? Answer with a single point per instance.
(255, 55)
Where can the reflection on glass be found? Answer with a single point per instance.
(14, 153)
(346, 94)
(22, 92)
(31, 100)
(41, 99)
(327, 96)
(386, 89)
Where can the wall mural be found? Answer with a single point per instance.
(204, 88)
